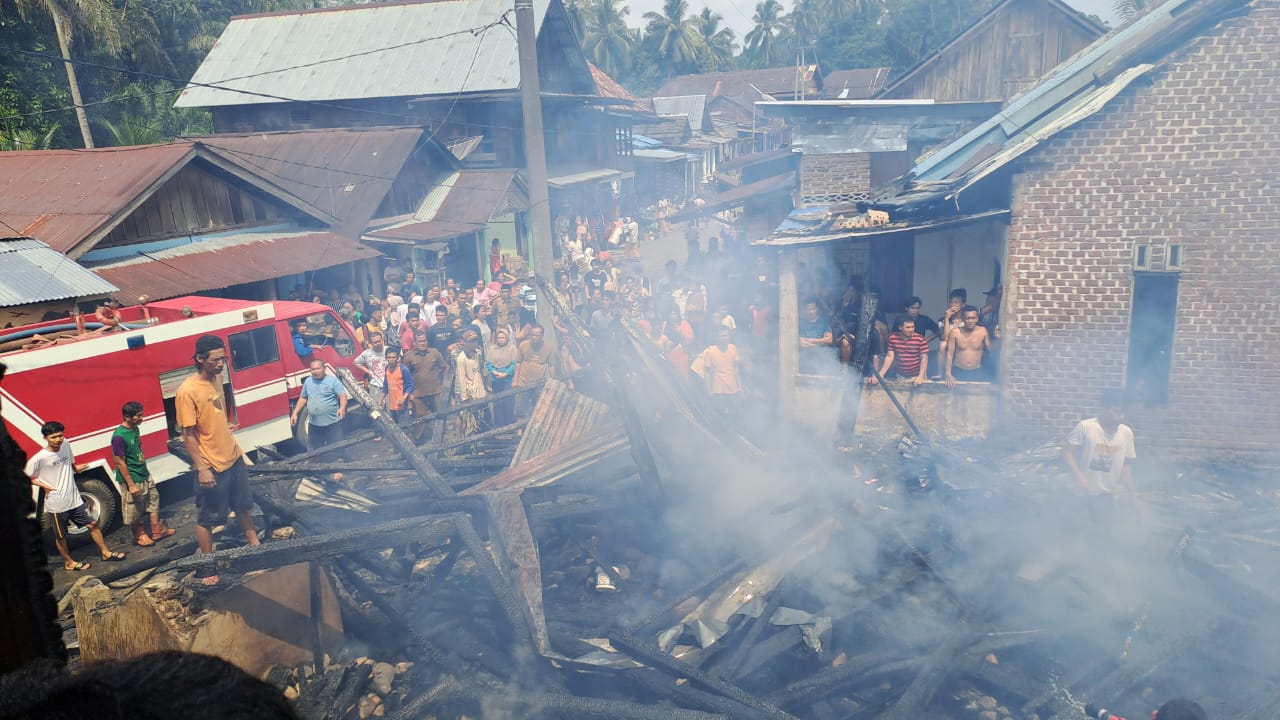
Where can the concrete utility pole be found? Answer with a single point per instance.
(535, 158)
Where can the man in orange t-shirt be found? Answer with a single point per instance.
(222, 477)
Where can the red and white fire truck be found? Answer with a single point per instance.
(71, 372)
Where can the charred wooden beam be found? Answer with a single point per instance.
(512, 607)
(428, 474)
(663, 685)
(476, 404)
(852, 395)
(752, 705)
(936, 668)
(862, 668)
(428, 528)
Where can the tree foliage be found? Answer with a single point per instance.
(130, 60)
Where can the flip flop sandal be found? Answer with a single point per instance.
(114, 557)
(78, 567)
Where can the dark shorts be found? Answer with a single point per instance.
(78, 515)
(979, 375)
(319, 436)
(231, 492)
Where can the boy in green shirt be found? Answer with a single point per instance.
(137, 490)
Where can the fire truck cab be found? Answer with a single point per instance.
(81, 374)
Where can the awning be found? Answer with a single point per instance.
(879, 231)
(734, 197)
(233, 260)
(419, 233)
(593, 175)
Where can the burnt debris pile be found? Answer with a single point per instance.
(620, 552)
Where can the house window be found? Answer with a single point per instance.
(623, 137)
(1155, 304)
(253, 348)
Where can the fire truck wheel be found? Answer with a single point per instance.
(302, 432)
(102, 504)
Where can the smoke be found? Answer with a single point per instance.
(998, 562)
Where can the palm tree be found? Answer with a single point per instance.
(1126, 9)
(679, 42)
(717, 41)
(27, 138)
(99, 18)
(769, 22)
(809, 20)
(606, 39)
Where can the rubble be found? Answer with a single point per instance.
(602, 571)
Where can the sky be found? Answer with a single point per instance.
(737, 13)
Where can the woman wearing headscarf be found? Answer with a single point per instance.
(500, 360)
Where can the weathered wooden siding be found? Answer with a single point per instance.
(998, 57)
(195, 200)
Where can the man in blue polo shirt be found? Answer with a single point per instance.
(325, 399)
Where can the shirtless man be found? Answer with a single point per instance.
(965, 348)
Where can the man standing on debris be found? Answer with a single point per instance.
(1098, 452)
(908, 355)
(222, 478)
(325, 400)
(722, 368)
(138, 494)
(966, 348)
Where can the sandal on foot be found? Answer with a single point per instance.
(77, 567)
(114, 557)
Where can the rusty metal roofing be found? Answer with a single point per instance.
(233, 260)
(344, 172)
(62, 196)
(31, 272)
(362, 51)
(745, 86)
(610, 88)
(561, 418)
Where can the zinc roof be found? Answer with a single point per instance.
(32, 272)
(344, 172)
(233, 260)
(62, 196)
(362, 51)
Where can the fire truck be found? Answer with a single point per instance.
(73, 372)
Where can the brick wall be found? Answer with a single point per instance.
(1190, 158)
(833, 178)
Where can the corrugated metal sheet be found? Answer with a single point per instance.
(562, 418)
(734, 197)
(32, 272)
(234, 260)
(823, 234)
(344, 172)
(62, 196)
(693, 107)
(1072, 85)
(584, 176)
(660, 154)
(855, 84)
(365, 51)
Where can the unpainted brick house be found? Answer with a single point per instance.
(1133, 201)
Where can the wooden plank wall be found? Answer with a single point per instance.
(997, 59)
(196, 200)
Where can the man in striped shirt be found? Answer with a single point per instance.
(907, 356)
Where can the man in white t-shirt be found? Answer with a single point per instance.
(373, 362)
(1099, 451)
(53, 470)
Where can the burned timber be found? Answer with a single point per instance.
(622, 552)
